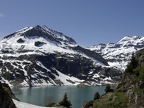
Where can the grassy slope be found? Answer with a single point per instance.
(130, 91)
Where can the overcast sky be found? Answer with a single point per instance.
(89, 22)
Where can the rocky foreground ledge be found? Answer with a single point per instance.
(8, 99)
(26, 105)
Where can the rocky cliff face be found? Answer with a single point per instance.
(129, 93)
(6, 97)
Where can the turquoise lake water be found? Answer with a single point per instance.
(42, 95)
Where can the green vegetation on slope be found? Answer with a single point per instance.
(129, 93)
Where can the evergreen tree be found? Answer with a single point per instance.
(65, 102)
(141, 75)
(129, 69)
(96, 96)
(132, 65)
(108, 89)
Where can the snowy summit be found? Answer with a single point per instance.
(119, 54)
(37, 56)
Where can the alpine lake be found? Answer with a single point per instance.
(48, 94)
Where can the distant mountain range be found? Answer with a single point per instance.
(119, 54)
(36, 56)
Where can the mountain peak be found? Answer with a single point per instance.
(53, 35)
(38, 26)
(43, 32)
(118, 54)
(129, 38)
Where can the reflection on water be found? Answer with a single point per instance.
(48, 94)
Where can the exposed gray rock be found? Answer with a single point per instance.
(5, 97)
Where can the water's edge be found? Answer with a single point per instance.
(48, 94)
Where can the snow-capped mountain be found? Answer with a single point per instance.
(42, 56)
(119, 54)
(37, 38)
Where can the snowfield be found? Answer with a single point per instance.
(119, 54)
(26, 105)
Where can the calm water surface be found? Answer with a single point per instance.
(48, 94)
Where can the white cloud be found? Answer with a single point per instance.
(2, 15)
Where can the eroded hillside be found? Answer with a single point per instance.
(129, 93)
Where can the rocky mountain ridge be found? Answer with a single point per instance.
(41, 56)
(119, 54)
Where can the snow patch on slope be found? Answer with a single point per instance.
(26, 105)
(67, 80)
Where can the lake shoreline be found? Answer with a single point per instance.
(42, 95)
(80, 85)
